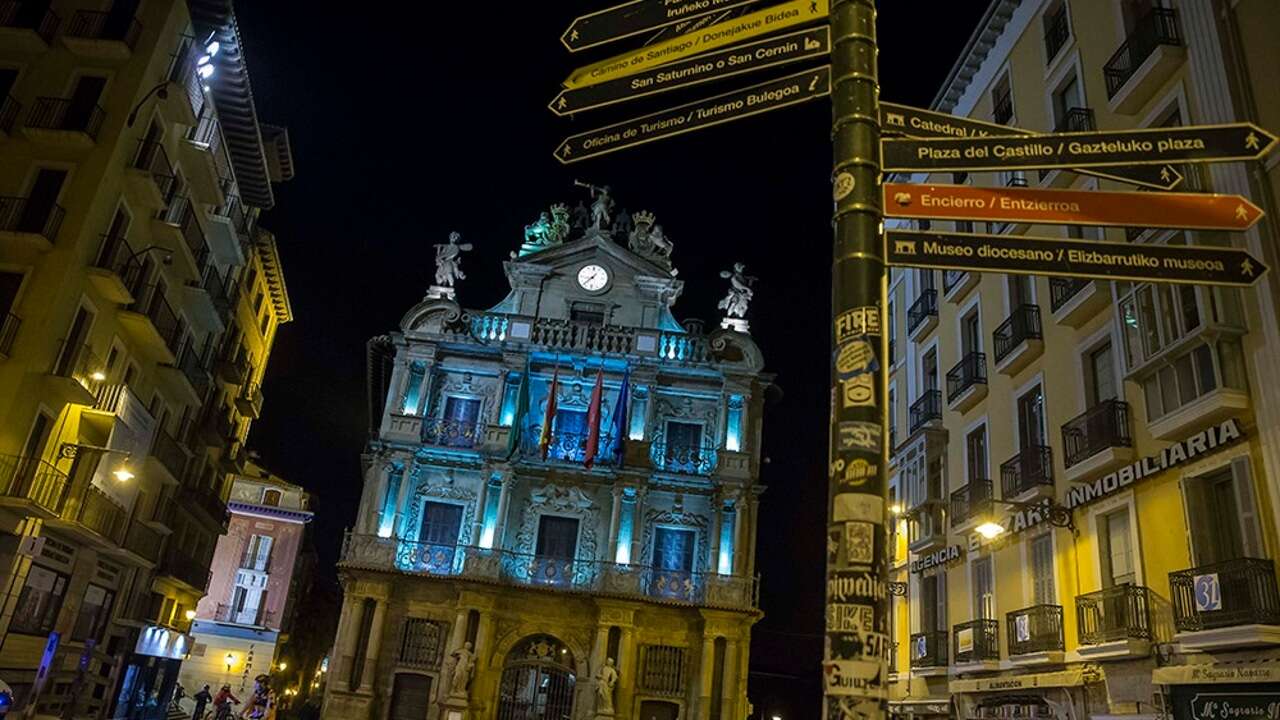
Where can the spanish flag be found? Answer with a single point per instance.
(553, 391)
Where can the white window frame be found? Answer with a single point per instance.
(974, 559)
(1028, 577)
(1037, 379)
(1053, 63)
(1085, 347)
(964, 451)
(974, 303)
(1218, 462)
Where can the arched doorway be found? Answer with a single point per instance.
(538, 677)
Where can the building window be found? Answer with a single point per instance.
(892, 412)
(95, 610)
(438, 535)
(587, 313)
(673, 563)
(1116, 548)
(1069, 111)
(984, 596)
(1031, 431)
(662, 670)
(933, 603)
(271, 498)
(422, 643)
(1099, 380)
(557, 545)
(1002, 100)
(1042, 591)
(1221, 514)
(257, 553)
(893, 333)
(976, 454)
(1155, 317)
(1057, 29)
(39, 602)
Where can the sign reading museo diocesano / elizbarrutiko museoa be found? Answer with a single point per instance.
(1204, 442)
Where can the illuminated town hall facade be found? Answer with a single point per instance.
(492, 576)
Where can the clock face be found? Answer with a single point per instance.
(593, 277)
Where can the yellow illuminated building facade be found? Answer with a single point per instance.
(138, 305)
(1150, 411)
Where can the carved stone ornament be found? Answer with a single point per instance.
(738, 299)
(448, 266)
(647, 239)
(423, 490)
(556, 500)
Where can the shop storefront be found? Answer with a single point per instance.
(150, 675)
(1042, 696)
(1212, 691)
(930, 709)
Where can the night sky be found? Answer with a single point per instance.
(409, 123)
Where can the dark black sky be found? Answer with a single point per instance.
(411, 120)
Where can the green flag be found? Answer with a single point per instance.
(522, 409)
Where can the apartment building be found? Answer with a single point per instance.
(505, 564)
(138, 304)
(1146, 410)
(243, 619)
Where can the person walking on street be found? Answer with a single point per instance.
(202, 699)
(222, 703)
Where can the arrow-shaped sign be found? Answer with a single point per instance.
(1190, 211)
(758, 55)
(746, 102)
(752, 25)
(1018, 254)
(920, 123)
(1147, 146)
(635, 17)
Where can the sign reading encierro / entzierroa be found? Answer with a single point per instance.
(752, 25)
(635, 17)
(1148, 146)
(920, 123)
(1022, 255)
(1187, 211)
(946, 555)
(734, 105)
(770, 52)
(1208, 440)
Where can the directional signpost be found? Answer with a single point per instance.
(1149, 146)
(752, 25)
(1018, 254)
(1188, 211)
(636, 17)
(920, 123)
(734, 105)
(770, 52)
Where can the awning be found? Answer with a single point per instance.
(1063, 678)
(1216, 673)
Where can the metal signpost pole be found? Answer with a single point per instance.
(855, 667)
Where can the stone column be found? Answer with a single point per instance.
(706, 668)
(343, 644)
(740, 523)
(484, 638)
(504, 501)
(717, 509)
(751, 549)
(628, 671)
(458, 633)
(637, 527)
(406, 479)
(614, 518)
(482, 500)
(369, 676)
(729, 684)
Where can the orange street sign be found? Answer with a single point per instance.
(1188, 211)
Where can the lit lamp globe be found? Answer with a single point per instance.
(123, 473)
(191, 615)
(989, 529)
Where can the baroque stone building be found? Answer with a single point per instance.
(492, 571)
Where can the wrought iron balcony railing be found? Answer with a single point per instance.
(97, 25)
(685, 458)
(99, 513)
(9, 324)
(1023, 324)
(1103, 426)
(567, 447)
(152, 158)
(171, 453)
(1225, 594)
(924, 307)
(1035, 629)
(116, 255)
(50, 113)
(970, 371)
(79, 363)
(9, 109)
(1062, 289)
(561, 574)
(1076, 119)
(453, 433)
(975, 641)
(1057, 31)
(153, 304)
(971, 501)
(19, 215)
(952, 278)
(194, 365)
(33, 479)
(929, 649)
(1158, 27)
(926, 409)
(1031, 467)
(143, 541)
(34, 16)
(1120, 612)
(177, 563)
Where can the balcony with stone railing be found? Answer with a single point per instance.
(551, 333)
(595, 577)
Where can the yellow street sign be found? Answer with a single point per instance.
(761, 22)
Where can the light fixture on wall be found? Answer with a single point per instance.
(191, 615)
(69, 451)
(1057, 514)
(204, 70)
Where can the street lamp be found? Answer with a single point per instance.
(282, 666)
(1057, 514)
(204, 69)
(191, 615)
(69, 451)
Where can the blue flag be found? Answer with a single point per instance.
(620, 412)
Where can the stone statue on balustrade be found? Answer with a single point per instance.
(606, 680)
(738, 299)
(448, 266)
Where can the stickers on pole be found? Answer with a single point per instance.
(853, 678)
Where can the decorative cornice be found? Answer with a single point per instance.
(270, 512)
(273, 274)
